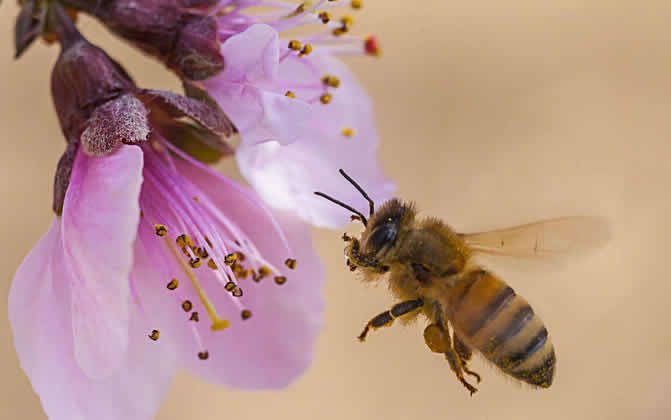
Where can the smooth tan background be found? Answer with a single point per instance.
(492, 113)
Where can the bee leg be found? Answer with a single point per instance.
(438, 340)
(465, 354)
(386, 318)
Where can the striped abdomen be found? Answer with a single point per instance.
(487, 314)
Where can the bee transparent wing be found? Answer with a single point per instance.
(547, 238)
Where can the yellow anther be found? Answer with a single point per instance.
(203, 355)
(195, 199)
(347, 132)
(194, 317)
(307, 49)
(237, 292)
(161, 230)
(290, 94)
(346, 21)
(256, 277)
(195, 262)
(291, 263)
(295, 45)
(244, 274)
(187, 305)
(246, 314)
(155, 334)
(212, 264)
(331, 81)
(240, 256)
(184, 241)
(202, 253)
(325, 98)
(280, 280)
(356, 4)
(339, 31)
(208, 242)
(324, 16)
(174, 283)
(264, 271)
(230, 286)
(230, 259)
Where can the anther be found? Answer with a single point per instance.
(230, 259)
(240, 256)
(290, 94)
(174, 283)
(280, 280)
(195, 262)
(356, 4)
(194, 317)
(307, 49)
(203, 355)
(183, 241)
(347, 132)
(187, 305)
(264, 271)
(237, 292)
(331, 81)
(325, 98)
(246, 314)
(291, 263)
(202, 253)
(294, 45)
(161, 230)
(324, 16)
(212, 264)
(370, 46)
(230, 286)
(155, 334)
(244, 273)
(208, 241)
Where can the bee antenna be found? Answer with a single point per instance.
(341, 204)
(353, 182)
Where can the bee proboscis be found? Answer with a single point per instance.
(431, 271)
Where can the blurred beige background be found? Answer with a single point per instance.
(490, 115)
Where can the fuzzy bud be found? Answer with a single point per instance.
(171, 30)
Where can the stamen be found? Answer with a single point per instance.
(307, 49)
(161, 230)
(203, 355)
(212, 264)
(246, 314)
(195, 262)
(331, 81)
(290, 94)
(194, 317)
(347, 132)
(230, 259)
(174, 284)
(217, 323)
(202, 253)
(155, 334)
(294, 45)
(356, 4)
(291, 263)
(280, 280)
(324, 16)
(187, 305)
(371, 47)
(325, 98)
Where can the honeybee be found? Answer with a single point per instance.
(431, 271)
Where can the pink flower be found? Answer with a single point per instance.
(300, 112)
(84, 303)
(154, 262)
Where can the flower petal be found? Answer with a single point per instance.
(274, 346)
(250, 55)
(39, 313)
(100, 218)
(286, 176)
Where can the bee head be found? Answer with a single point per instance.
(381, 229)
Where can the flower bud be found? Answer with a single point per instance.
(172, 30)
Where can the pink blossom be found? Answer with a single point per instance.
(85, 301)
(300, 112)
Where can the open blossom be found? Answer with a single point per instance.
(300, 112)
(154, 262)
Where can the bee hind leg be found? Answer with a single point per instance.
(465, 354)
(386, 318)
(438, 340)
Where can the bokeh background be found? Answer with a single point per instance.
(491, 114)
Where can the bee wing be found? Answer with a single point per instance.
(546, 238)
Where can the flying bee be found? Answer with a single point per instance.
(431, 271)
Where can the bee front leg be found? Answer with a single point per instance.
(386, 318)
(438, 340)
